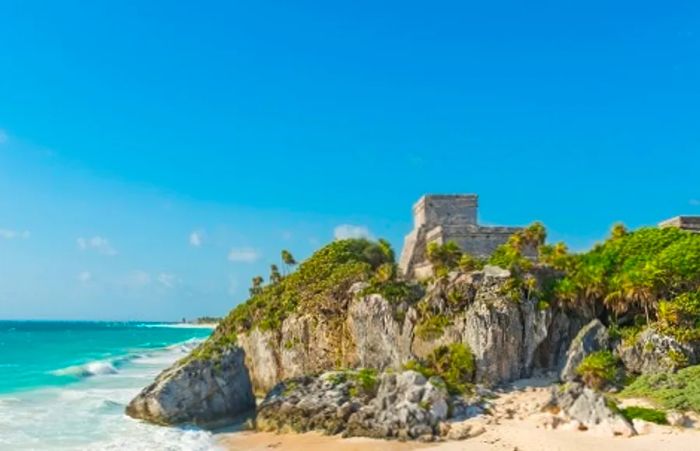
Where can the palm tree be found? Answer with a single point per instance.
(275, 276)
(288, 259)
(256, 287)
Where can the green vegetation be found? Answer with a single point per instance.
(432, 326)
(319, 286)
(598, 369)
(444, 257)
(453, 363)
(365, 382)
(643, 413)
(679, 391)
(632, 272)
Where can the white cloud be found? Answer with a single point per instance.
(9, 234)
(695, 202)
(96, 243)
(167, 280)
(243, 255)
(345, 231)
(196, 238)
(3, 136)
(85, 277)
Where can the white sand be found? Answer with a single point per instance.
(517, 424)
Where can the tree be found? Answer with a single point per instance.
(618, 231)
(275, 276)
(387, 250)
(256, 287)
(288, 259)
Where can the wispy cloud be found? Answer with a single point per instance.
(85, 277)
(695, 202)
(3, 136)
(345, 231)
(243, 255)
(167, 280)
(10, 234)
(98, 244)
(196, 238)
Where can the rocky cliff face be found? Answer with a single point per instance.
(509, 338)
(198, 392)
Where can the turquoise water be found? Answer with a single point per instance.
(64, 385)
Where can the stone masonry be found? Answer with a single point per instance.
(691, 223)
(442, 218)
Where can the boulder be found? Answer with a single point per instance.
(591, 338)
(652, 352)
(589, 410)
(207, 393)
(402, 405)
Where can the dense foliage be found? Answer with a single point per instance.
(454, 363)
(649, 277)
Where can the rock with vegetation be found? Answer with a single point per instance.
(652, 352)
(593, 337)
(590, 409)
(517, 313)
(197, 392)
(402, 405)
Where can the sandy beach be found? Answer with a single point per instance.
(517, 423)
(522, 435)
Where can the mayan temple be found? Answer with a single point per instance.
(442, 218)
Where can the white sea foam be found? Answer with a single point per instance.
(89, 414)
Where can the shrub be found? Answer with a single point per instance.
(453, 363)
(679, 391)
(598, 369)
(643, 413)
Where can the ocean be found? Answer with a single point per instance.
(64, 385)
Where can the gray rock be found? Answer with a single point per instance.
(207, 393)
(405, 405)
(590, 409)
(592, 338)
(652, 352)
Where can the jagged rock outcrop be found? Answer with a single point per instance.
(197, 392)
(589, 410)
(402, 405)
(510, 338)
(592, 338)
(652, 352)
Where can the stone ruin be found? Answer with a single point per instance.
(442, 218)
(691, 223)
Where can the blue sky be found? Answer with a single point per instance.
(154, 157)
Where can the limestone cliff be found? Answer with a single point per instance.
(509, 338)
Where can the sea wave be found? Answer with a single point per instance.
(95, 368)
(112, 366)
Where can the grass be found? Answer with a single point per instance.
(677, 391)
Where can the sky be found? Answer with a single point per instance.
(154, 156)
